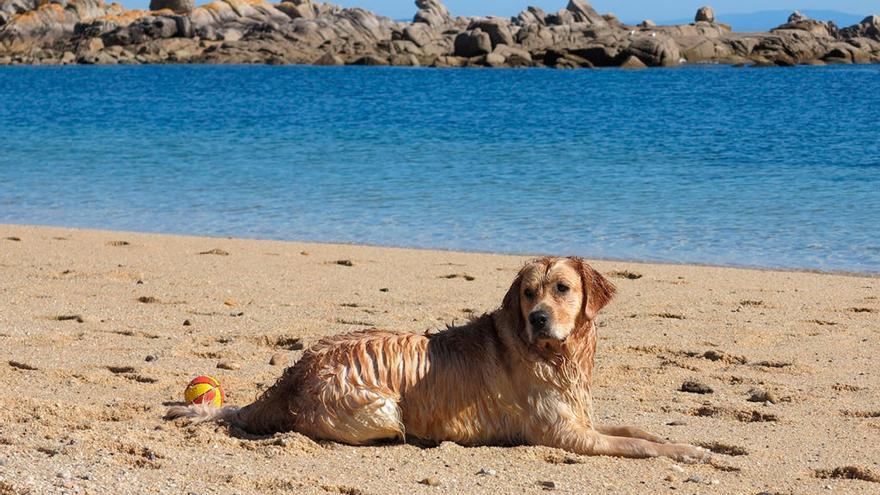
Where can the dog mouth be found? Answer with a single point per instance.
(550, 344)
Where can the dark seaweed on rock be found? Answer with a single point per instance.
(307, 32)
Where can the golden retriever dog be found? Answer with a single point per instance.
(518, 376)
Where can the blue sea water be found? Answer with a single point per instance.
(753, 167)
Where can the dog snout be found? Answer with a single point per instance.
(539, 320)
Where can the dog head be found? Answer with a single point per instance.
(553, 297)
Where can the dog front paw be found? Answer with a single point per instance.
(686, 453)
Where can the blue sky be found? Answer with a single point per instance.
(628, 10)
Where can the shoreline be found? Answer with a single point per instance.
(648, 262)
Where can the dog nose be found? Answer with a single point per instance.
(539, 319)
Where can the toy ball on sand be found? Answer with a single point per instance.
(204, 390)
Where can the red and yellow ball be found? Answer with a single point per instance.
(204, 390)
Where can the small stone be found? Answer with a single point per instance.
(759, 395)
(2, 462)
(187, 323)
(345, 263)
(695, 478)
(548, 485)
(677, 468)
(677, 422)
(229, 302)
(228, 365)
(65, 475)
(22, 366)
(695, 387)
(76, 318)
(670, 477)
(384, 289)
(278, 359)
(304, 253)
(487, 472)
(430, 481)
(714, 482)
(150, 358)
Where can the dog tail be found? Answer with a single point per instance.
(201, 413)
(268, 414)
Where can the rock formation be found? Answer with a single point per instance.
(309, 32)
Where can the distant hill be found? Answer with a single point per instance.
(768, 19)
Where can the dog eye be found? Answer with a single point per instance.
(529, 293)
(561, 288)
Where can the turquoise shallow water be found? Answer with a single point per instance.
(756, 167)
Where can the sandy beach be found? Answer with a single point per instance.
(100, 331)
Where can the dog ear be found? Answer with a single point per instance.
(598, 291)
(510, 306)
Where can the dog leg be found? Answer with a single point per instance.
(630, 432)
(586, 441)
(359, 417)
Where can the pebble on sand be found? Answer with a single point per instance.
(228, 365)
(759, 395)
(548, 485)
(22, 366)
(430, 481)
(278, 359)
(695, 478)
(76, 318)
(487, 472)
(187, 323)
(695, 387)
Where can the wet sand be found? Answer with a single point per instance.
(93, 346)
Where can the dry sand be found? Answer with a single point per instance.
(81, 402)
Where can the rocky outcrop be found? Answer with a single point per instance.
(869, 28)
(798, 21)
(311, 32)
